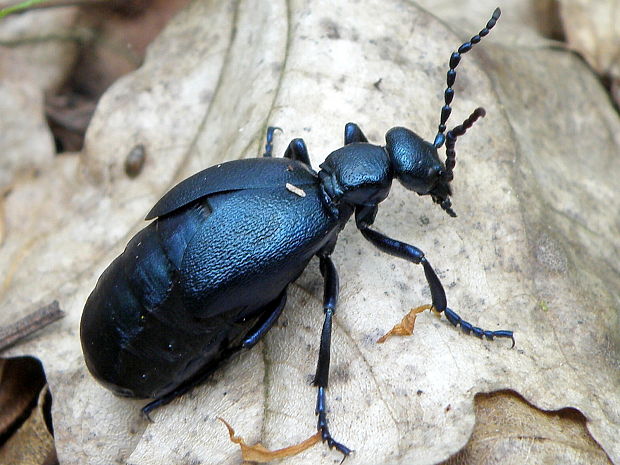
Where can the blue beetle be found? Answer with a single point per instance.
(208, 276)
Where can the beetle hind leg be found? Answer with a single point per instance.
(268, 318)
(264, 324)
(269, 140)
(321, 378)
(185, 387)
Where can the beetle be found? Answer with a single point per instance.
(208, 276)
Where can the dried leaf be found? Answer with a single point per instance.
(532, 189)
(508, 429)
(21, 381)
(592, 30)
(405, 327)
(259, 453)
(32, 443)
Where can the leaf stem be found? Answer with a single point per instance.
(19, 7)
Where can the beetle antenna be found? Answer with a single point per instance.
(451, 137)
(455, 59)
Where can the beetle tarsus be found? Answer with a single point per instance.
(468, 328)
(322, 425)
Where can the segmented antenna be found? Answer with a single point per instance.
(455, 59)
(458, 131)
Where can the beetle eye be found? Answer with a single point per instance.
(435, 174)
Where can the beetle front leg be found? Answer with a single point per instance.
(321, 378)
(364, 218)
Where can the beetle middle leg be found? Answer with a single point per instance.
(268, 318)
(364, 218)
(297, 150)
(321, 378)
(264, 324)
(353, 133)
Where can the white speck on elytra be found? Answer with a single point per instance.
(295, 190)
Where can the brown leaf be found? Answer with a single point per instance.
(21, 381)
(509, 429)
(32, 443)
(406, 325)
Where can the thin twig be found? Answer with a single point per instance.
(10, 334)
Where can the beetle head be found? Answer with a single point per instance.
(416, 162)
(417, 166)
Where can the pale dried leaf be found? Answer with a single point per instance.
(524, 24)
(34, 59)
(534, 248)
(592, 30)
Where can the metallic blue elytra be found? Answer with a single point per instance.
(208, 276)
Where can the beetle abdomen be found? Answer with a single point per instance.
(133, 329)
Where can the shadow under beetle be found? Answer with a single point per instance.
(208, 277)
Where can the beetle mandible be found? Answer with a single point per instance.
(208, 276)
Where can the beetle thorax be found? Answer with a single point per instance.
(357, 174)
